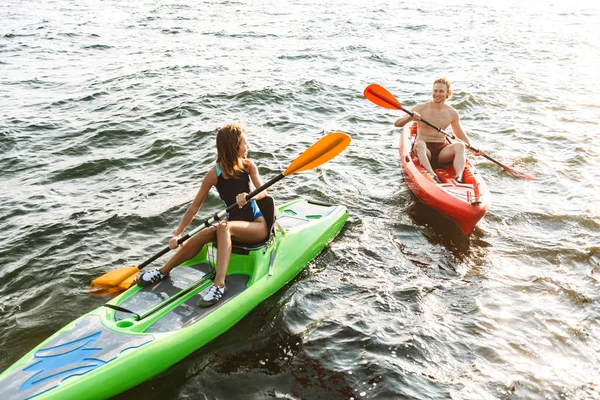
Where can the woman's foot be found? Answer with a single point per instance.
(212, 296)
(149, 277)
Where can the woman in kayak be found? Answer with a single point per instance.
(231, 176)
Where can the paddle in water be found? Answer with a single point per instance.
(319, 153)
(380, 96)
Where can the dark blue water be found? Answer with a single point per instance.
(108, 115)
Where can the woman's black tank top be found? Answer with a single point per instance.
(228, 190)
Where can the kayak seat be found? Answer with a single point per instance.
(413, 131)
(468, 176)
(267, 208)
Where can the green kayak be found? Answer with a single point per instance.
(144, 331)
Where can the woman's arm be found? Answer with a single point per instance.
(255, 177)
(210, 180)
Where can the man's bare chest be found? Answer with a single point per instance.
(438, 118)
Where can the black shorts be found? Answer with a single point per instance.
(435, 148)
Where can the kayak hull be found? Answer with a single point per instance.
(466, 204)
(107, 351)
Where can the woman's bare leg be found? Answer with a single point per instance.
(241, 231)
(190, 248)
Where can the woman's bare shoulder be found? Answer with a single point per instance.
(249, 165)
(211, 175)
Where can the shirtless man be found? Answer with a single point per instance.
(431, 146)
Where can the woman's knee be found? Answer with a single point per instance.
(222, 229)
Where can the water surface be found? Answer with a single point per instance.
(107, 124)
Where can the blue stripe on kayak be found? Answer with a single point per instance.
(81, 350)
(57, 358)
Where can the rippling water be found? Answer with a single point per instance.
(107, 123)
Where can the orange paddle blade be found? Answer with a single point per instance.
(102, 292)
(519, 174)
(319, 153)
(115, 278)
(127, 283)
(380, 96)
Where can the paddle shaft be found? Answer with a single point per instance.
(211, 220)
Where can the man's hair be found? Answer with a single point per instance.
(446, 82)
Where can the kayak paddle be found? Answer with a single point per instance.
(319, 153)
(380, 96)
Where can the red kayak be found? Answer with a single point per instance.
(465, 203)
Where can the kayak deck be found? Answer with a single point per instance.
(187, 312)
(79, 351)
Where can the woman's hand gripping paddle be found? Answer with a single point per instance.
(319, 153)
(380, 96)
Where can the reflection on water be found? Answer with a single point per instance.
(439, 228)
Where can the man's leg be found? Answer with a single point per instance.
(424, 155)
(455, 153)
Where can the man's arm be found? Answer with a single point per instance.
(457, 128)
(458, 131)
(400, 122)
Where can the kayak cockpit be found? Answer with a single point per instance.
(172, 303)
